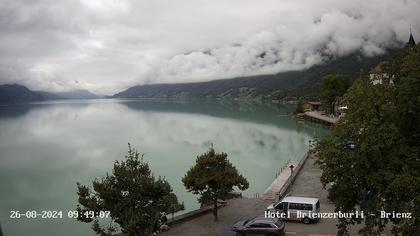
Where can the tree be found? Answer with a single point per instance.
(333, 85)
(299, 107)
(373, 153)
(134, 198)
(213, 177)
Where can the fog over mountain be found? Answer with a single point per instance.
(106, 46)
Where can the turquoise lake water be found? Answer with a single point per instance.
(45, 148)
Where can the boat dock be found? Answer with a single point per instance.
(320, 118)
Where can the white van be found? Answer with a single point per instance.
(297, 208)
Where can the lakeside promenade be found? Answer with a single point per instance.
(306, 184)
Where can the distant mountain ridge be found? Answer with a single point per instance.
(77, 94)
(285, 85)
(290, 85)
(15, 93)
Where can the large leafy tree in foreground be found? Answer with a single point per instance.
(133, 196)
(213, 177)
(373, 154)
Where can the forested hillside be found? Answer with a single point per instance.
(286, 85)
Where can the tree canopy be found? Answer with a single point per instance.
(213, 177)
(134, 198)
(333, 85)
(372, 155)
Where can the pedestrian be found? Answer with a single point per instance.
(291, 168)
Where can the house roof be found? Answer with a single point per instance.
(340, 101)
(315, 103)
(411, 41)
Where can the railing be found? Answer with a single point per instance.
(291, 179)
(283, 167)
(252, 195)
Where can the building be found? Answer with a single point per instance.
(340, 106)
(312, 106)
(411, 43)
(378, 74)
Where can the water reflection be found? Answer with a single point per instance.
(46, 148)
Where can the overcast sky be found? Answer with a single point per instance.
(108, 45)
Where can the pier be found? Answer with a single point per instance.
(281, 184)
(320, 118)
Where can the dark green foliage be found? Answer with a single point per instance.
(299, 107)
(213, 177)
(135, 198)
(410, 64)
(382, 170)
(333, 85)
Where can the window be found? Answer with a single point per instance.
(307, 207)
(300, 206)
(294, 206)
(260, 225)
(279, 224)
(285, 204)
(255, 225)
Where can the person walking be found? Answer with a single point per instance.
(291, 168)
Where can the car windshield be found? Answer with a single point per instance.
(279, 223)
(246, 222)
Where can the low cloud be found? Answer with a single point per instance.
(109, 45)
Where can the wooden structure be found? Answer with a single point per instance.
(319, 118)
(312, 106)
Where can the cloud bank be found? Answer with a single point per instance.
(109, 45)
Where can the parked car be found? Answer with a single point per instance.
(227, 233)
(260, 226)
(296, 207)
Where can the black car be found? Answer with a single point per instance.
(260, 226)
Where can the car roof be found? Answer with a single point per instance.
(308, 200)
(264, 220)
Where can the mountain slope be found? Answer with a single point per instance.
(77, 94)
(14, 93)
(292, 84)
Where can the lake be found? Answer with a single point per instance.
(47, 147)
